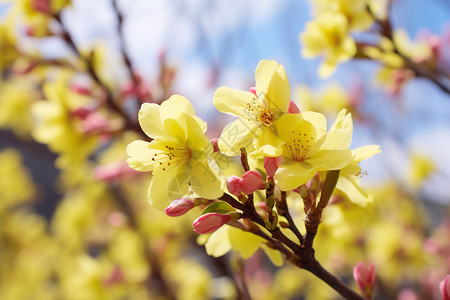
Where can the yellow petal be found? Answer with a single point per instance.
(174, 131)
(231, 101)
(176, 105)
(150, 121)
(218, 243)
(365, 152)
(196, 139)
(235, 135)
(272, 85)
(244, 242)
(205, 178)
(352, 189)
(289, 177)
(168, 185)
(340, 134)
(324, 160)
(274, 255)
(140, 156)
(267, 143)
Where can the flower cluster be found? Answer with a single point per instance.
(282, 150)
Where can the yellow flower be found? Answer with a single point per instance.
(355, 11)
(56, 126)
(257, 112)
(328, 35)
(305, 150)
(178, 155)
(340, 137)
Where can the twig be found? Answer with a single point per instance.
(283, 210)
(129, 124)
(126, 57)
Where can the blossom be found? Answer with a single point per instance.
(340, 137)
(257, 111)
(328, 35)
(178, 155)
(305, 150)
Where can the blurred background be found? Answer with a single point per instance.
(147, 50)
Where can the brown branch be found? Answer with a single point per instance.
(334, 282)
(283, 210)
(125, 56)
(418, 69)
(129, 123)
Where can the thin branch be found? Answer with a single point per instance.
(333, 281)
(129, 124)
(283, 210)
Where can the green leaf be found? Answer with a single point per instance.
(328, 187)
(218, 207)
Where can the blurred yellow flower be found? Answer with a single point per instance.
(328, 35)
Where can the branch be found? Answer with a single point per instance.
(129, 124)
(333, 281)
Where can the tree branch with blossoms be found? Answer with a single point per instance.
(289, 157)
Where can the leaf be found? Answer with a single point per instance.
(218, 207)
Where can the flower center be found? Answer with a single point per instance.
(259, 113)
(172, 156)
(300, 145)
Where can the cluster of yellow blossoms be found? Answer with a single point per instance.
(269, 125)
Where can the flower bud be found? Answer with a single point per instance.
(215, 143)
(42, 6)
(364, 275)
(293, 108)
(179, 207)
(210, 222)
(234, 185)
(271, 164)
(444, 287)
(252, 181)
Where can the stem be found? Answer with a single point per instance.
(334, 282)
(284, 211)
(418, 69)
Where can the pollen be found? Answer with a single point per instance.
(259, 113)
(172, 157)
(300, 145)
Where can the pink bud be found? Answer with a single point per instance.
(116, 276)
(210, 222)
(179, 207)
(113, 171)
(215, 143)
(42, 6)
(293, 108)
(79, 89)
(81, 112)
(252, 181)
(364, 276)
(271, 164)
(407, 294)
(234, 185)
(444, 287)
(253, 90)
(95, 123)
